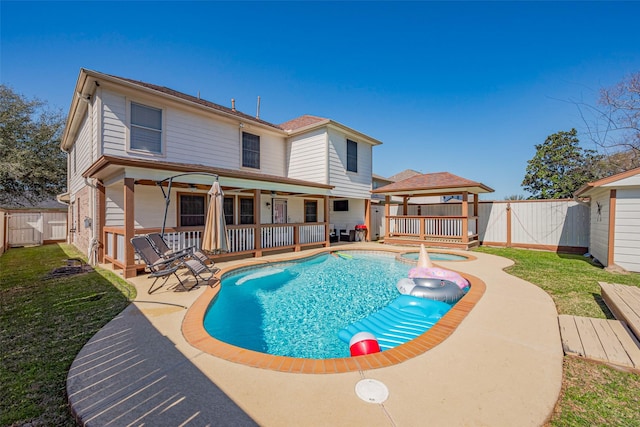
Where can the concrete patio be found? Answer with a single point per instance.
(502, 366)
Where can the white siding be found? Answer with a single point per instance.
(96, 115)
(599, 230)
(192, 138)
(80, 155)
(350, 218)
(114, 198)
(114, 114)
(349, 184)
(149, 207)
(627, 229)
(307, 156)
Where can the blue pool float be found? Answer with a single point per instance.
(404, 319)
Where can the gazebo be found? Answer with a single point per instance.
(434, 209)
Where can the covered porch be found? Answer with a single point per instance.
(436, 209)
(264, 214)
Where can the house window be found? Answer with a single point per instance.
(246, 211)
(228, 210)
(340, 205)
(250, 150)
(192, 210)
(352, 156)
(146, 128)
(310, 211)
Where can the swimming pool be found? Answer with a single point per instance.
(296, 309)
(435, 256)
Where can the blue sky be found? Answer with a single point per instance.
(463, 87)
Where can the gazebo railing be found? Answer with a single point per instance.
(452, 227)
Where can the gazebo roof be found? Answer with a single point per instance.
(433, 184)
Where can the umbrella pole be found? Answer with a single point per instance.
(167, 201)
(167, 194)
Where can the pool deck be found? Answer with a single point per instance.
(502, 366)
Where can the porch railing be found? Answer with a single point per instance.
(241, 238)
(441, 227)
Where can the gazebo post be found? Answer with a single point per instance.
(465, 217)
(387, 212)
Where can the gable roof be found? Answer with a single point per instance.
(89, 80)
(407, 173)
(174, 93)
(609, 181)
(301, 122)
(308, 122)
(433, 183)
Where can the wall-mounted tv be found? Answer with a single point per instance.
(340, 205)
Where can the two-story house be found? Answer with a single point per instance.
(284, 184)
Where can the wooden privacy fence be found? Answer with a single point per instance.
(556, 225)
(34, 228)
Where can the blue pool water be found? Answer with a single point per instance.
(297, 308)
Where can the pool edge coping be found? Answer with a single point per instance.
(194, 333)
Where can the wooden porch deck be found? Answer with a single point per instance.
(449, 243)
(605, 340)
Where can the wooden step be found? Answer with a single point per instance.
(624, 303)
(603, 340)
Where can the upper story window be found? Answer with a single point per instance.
(192, 210)
(352, 156)
(250, 150)
(146, 128)
(310, 211)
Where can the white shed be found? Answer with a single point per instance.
(615, 219)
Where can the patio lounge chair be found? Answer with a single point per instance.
(159, 266)
(163, 249)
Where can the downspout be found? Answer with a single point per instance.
(92, 250)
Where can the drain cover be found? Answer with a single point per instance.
(372, 391)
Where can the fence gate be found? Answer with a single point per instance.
(25, 229)
(377, 223)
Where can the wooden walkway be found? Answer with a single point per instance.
(605, 340)
(624, 303)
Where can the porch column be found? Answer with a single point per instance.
(465, 217)
(327, 239)
(367, 219)
(387, 212)
(101, 210)
(405, 206)
(129, 228)
(475, 214)
(257, 238)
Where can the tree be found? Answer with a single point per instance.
(560, 166)
(515, 197)
(614, 123)
(32, 166)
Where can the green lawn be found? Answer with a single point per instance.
(44, 324)
(593, 394)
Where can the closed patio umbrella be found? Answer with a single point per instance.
(215, 237)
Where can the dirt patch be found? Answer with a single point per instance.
(74, 266)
